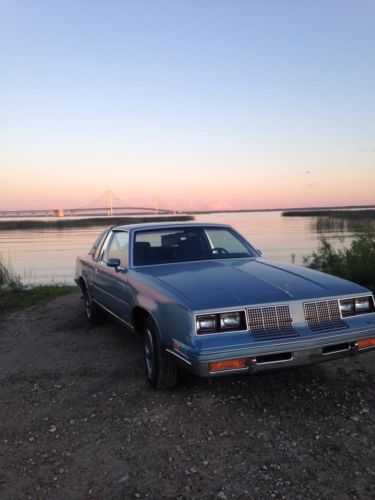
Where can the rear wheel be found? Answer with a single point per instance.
(161, 368)
(94, 314)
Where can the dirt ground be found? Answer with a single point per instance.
(79, 421)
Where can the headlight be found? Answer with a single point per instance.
(362, 305)
(230, 320)
(220, 322)
(347, 307)
(359, 305)
(206, 323)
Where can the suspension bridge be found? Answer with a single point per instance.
(106, 205)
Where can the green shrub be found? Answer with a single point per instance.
(356, 263)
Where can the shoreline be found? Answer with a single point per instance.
(87, 222)
(339, 214)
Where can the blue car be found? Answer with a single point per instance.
(202, 297)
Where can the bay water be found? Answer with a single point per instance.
(48, 255)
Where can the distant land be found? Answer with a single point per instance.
(300, 209)
(338, 214)
(63, 214)
(87, 222)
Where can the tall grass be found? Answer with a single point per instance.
(14, 296)
(8, 278)
(356, 263)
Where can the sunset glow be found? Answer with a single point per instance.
(203, 105)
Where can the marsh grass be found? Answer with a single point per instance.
(8, 278)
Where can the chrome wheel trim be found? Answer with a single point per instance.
(88, 304)
(149, 352)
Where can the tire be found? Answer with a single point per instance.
(94, 314)
(161, 368)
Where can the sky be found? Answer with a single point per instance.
(202, 104)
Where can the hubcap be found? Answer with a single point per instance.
(149, 352)
(88, 304)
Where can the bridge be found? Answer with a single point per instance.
(89, 211)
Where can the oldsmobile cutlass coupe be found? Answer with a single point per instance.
(201, 296)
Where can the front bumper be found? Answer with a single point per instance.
(284, 359)
(274, 355)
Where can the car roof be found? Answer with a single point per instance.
(165, 225)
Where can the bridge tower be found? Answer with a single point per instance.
(109, 203)
(155, 205)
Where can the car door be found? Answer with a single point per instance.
(111, 285)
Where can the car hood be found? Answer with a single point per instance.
(241, 282)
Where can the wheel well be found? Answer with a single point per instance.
(139, 316)
(82, 284)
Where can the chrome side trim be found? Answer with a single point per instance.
(178, 356)
(129, 325)
(231, 370)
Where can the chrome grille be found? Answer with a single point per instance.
(323, 315)
(270, 322)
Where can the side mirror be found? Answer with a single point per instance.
(113, 263)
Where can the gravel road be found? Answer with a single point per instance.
(79, 421)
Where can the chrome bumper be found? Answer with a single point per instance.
(285, 359)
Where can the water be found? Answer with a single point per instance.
(44, 256)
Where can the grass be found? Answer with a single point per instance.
(356, 263)
(14, 296)
(92, 221)
(21, 298)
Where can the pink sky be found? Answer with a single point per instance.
(204, 105)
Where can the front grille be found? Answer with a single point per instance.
(270, 322)
(323, 315)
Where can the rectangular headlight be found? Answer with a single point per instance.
(231, 320)
(220, 322)
(362, 304)
(206, 323)
(347, 307)
(359, 305)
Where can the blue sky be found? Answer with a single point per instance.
(203, 104)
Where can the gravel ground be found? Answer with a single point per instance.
(78, 420)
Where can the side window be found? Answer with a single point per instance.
(96, 249)
(118, 248)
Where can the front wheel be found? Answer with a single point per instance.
(161, 368)
(94, 314)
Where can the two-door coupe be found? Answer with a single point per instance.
(201, 296)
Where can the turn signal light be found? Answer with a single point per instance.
(233, 364)
(363, 344)
(176, 345)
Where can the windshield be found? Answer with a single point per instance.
(163, 246)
